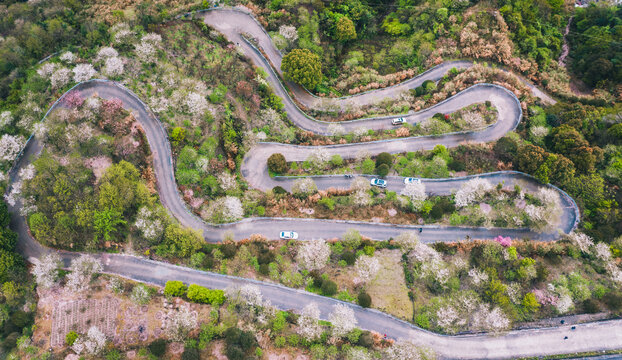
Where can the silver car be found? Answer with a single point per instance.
(411, 180)
(288, 235)
(398, 121)
(378, 182)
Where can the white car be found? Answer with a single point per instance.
(378, 182)
(410, 180)
(398, 121)
(288, 235)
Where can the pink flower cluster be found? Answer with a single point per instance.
(504, 241)
(545, 297)
(73, 100)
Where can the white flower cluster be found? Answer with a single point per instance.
(92, 343)
(67, 57)
(361, 198)
(367, 268)
(10, 146)
(228, 208)
(583, 241)
(248, 295)
(447, 317)
(159, 104)
(318, 157)
(6, 118)
(46, 70)
(304, 186)
(29, 206)
(415, 191)
(60, 77)
(405, 350)
(45, 270)
(28, 172)
(83, 72)
(82, 270)
(121, 33)
(564, 302)
(12, 196)
(179, 323)
(289, 32)
(407, 241)
(490, 319)
(313, 254)
(308, 325)
(478, 277)
(150, 226)
(105, 53)
(113, 66)
(343, 320)
(227, 182)
(196, 104)
(539, 132)
(473, 120)
(152, 38)
(360, 131)
(335, 129)
(146, 49)
(472, 191)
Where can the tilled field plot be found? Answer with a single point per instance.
(80, 315)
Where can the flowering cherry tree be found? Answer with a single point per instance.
(150, 226)
(45, 270)
(60, 77)
(335, 129)
(82, 270)
(106, 52)
(415, 191)
(28, 172)
(196, 103)
(113, 67)
(67, 57)
(407, 241)
(227, 182)
(304, 186)
(289, 32)
(10, 146)
(583, 241)
(491, 319)
(6, 118)
(92, 343)
(179, 323)
(145, 51)
(405, 350)
(472, 191)
(308, 325)
(313, 255)
(343, 320)
(367, 268)
(319, 157)
(83, 72)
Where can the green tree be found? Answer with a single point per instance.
(344, 29)
(278, 164)
(530, 304)
(303, 67)
(181, 242)
(105, 222)
(174, 288)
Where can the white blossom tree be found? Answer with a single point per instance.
(6, 118)
(60, 77)
(308, 325)
(406, 350)
(113, 67)
(28, 172)
(360, 183)
(46, 70)
(319, 157)
(45, 270)
(67, 57)
(196, 103)
(227, 182)
(361, 198)
(289, 32)
(313, 254)
(583, 241)
(92, 343)
(224, 209)
(472, 191)
(179, 323)
(473, 120)
(82, 270)
(367, 268)
(145, 51)
(415, 191)
(304, 186)
(105, 53)
(149, 225)
(490, 319)
(407, 241)
(83, 72)
(335, 129)
(343, 320)
(10, 146)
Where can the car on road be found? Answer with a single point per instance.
(378, 182)
(288, 235)
(410, 180)
(398, 121)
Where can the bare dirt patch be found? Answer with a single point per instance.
(388, 290)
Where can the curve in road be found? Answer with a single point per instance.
(594, 336)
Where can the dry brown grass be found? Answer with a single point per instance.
(388, 291)
(102, 10)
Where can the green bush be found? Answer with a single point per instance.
(71, 337)
(382, 170)
(364, 299)
(349, 257)
(329, 288)
(190, 353)
(277, 164)
(158, 347)
(175, 288)
(327, 203)
(202, 295)
(384, 158)
(366, 339)
(278, 190)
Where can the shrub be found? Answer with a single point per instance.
(364, 299)
(366, 339)
(71, 337)
(329, 288)
(349, 257)
(278, 190)
(264, 269)
(303, 67)
(277, 163)
(158, 347)
(200, 294)
(506, 148)
(591, 306)
(382, 170)
(190, 353)
(229, 250)
(327, 203)
(174, 288)
(384, 158)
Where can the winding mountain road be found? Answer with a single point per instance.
(587, 337)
